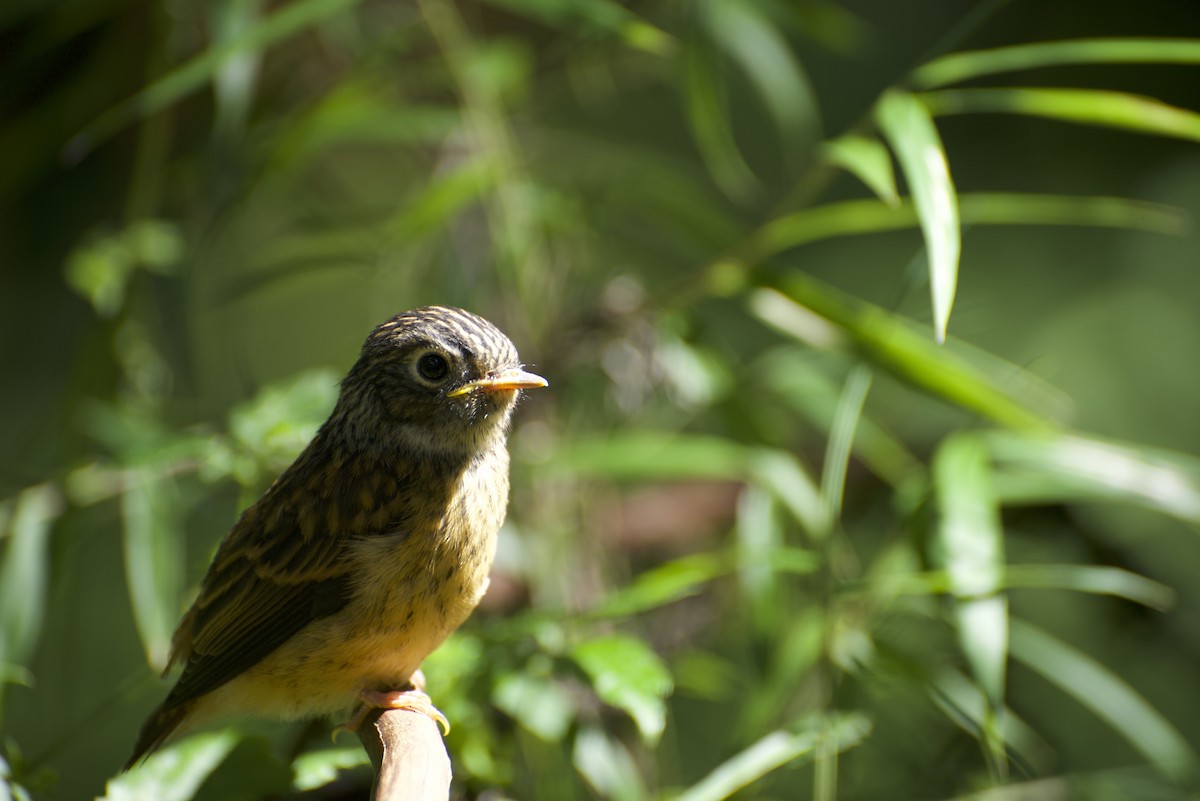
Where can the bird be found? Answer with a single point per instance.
(370, 549)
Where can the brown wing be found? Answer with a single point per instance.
(282, 567)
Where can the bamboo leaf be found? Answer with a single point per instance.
(958, 67)
(909, 129)
(887, 341)
(775, 750)
(153, 559)
(969, 544)
(628, 675)
(1069, 467)
(1086, 106)
(24, 570)
(1108, 697)
(868, 160)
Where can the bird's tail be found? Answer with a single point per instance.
(155, 731)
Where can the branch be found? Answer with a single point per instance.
(409, 755)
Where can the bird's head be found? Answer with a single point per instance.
(442, 378)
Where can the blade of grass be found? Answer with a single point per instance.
(1086, 106)
(1108, 697)
(958, 67)
(909, 129)
(841, 440)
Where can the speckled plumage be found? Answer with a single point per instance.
(371, 548)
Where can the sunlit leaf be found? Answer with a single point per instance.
(539, 704)
(851, 217)
(628, 675)
(606, 764)
(664, 584)
(885, 340)
(909, 129)
(176, 772)
(1087, 106)
(786, 477)
(655, 454)
(1096, 579)
(1069, 467)
(315, 769)
(1107, 696)
(868, 160)
(969, 543)
(958, 67)
(775, 750)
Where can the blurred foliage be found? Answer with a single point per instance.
(869, 466)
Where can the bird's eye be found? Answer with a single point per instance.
(433, 366)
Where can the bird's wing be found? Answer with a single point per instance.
(282, 567)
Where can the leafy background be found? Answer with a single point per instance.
(767, 537)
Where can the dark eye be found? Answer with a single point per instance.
(433, 366)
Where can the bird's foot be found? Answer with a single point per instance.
(414, 699)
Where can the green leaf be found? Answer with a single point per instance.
(838, 733)
(853, 217)
(886, 340)
(766, 58)
(958, 67)
(1048, 467)
(1092, 579)
(628, 675)
(314, 769)
(606, 764)
(24, 571)
(909, 129)
(154, 559)
(1087, 106)
(541, 705)
(708, 116)
(286, 22)
(176, 772)
(969, 544)
(654, 454)
(1108, 697)
(664, 584)
(867, 159)
(841, 440)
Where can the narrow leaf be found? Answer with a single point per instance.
(969, 544)
(24, 570)
(887, 341)
(773, 752)
(1087, 106)
(1108, 697)
(958, 67)
(153, 559)
(1060, 467)
(909, 129)
(868, 160)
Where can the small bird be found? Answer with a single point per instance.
(370, 549)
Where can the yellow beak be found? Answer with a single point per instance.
(515, 378)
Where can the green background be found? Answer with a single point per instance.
(766, 537)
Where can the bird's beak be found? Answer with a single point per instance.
(514, 378)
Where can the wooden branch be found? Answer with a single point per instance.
(409, 755)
